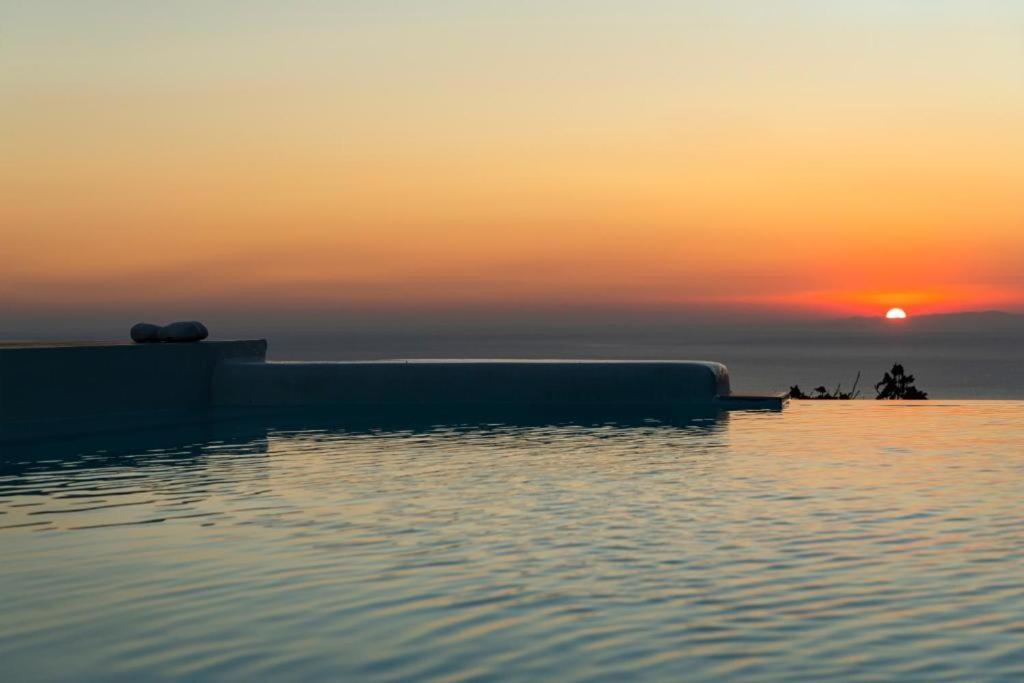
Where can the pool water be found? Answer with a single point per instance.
(860, 541)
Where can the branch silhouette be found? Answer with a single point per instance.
(895, 385)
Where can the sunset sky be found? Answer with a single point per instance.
(791, 158)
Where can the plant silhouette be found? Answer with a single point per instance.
(822, 394)
(897, 385)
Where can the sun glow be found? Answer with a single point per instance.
(896, 314)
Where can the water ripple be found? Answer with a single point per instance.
(859, 542)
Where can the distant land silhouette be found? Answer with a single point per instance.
(984, 321)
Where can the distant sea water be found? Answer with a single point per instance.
(967, 356)
(949, 360)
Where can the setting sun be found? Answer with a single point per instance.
(896, 314)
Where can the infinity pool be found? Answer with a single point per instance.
(861, 541)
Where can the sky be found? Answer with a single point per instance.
(811, 158)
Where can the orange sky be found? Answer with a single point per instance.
(808, 158)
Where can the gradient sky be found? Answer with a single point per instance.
(816, 157)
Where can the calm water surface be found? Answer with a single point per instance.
(860, 541)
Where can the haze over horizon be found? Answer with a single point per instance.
(393, 162)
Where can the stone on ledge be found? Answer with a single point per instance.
(145, 333)
(183, 331)
(179, 332)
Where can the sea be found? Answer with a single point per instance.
(975, 355)
(966, 356)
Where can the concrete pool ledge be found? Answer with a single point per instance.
(68, 389)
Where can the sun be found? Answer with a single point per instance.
(896, 314)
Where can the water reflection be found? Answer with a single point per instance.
(249, 433)
(826, 542)
(157, 475)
